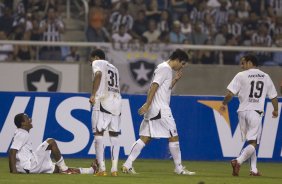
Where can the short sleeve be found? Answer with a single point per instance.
(160, 75)
(235, 85)
(97, 66)
(18, 141)
(271, 91)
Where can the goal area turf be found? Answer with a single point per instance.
(153, 172)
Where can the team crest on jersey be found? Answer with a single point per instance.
(142, 71)
(43, 79)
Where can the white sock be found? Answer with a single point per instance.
(89, 170)
(135, 151)
(114, 152)
(253, 162)
(176, 154)
(99, 147)
(246, 153)
(61, 164)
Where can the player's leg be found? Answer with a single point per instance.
(81, 170)
(253, 164)
(253, 132)
(134, 153)
(90, 170)
(100, 147)
(145, 137)
(175, 151)
(253, 159)
(42, 163)
(250, 123)
(98, 120)
(243, 127)
(247, 152)
(166, 127)
(72, 170)
(115, 147)
(114, 132)
(56, 153)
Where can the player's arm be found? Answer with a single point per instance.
(228, 97)
(177, 76)
(274, 102)
(95, 86)
(151, 93)
(12, 160)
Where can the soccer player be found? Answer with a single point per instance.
(158, 121)
(252, 86)
(23, 160)
(106, 104)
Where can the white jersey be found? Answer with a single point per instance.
(252, 87)
(108, 93)
(22, 143)
(163, 77)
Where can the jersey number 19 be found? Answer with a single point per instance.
(256, 89)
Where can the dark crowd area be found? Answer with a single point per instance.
(251, 23)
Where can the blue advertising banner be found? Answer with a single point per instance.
(204, 133)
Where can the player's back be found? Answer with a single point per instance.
(255, 86)
(111, 98)
(109, 79)
(112, 79)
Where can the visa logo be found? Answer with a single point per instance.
(63, 116)
(232, 145)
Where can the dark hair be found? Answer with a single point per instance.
(99, 53)
(122, 25)
(19, 118)
(180, 55)
(229, 37)
(252, 58)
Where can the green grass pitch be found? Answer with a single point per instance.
(152, 172)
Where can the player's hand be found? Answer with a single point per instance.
(274, 114)
(143, 109)
(178, 75)
(222, 109)
(92, 100)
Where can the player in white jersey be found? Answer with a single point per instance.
(106, 102)
(252, 87)
(23, 160)
(158, 121)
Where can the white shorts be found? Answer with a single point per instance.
(102, 121)
(41, 162)
(250, 125)
(164, 127)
